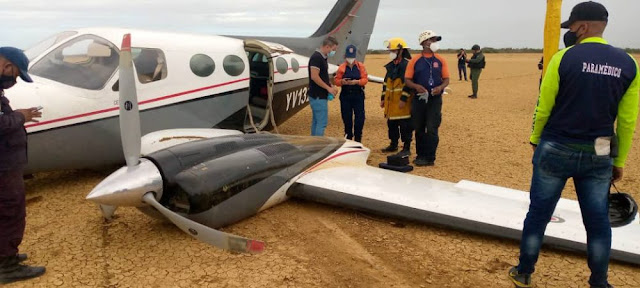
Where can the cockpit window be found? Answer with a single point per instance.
(37, 49)
(85, 62)
(150, 64)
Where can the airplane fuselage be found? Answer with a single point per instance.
(184, 81)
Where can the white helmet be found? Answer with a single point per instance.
(428, 34)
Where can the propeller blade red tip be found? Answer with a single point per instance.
(126, 42)
(255, 246)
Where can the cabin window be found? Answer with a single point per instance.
(202, 65)
(282, 65)
(86, 62)
(295, 65)
(151, 65)
(233, 65)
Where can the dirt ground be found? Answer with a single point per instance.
(312, 245)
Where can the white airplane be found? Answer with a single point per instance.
(202, 179)
(185, 81)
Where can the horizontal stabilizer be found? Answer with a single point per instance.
(470, 206)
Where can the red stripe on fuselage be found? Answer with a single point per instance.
(140, 103)
(301, 67)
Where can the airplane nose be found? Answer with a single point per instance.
(127, 185)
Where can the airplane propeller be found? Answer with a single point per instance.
(140, 181)
(129, 114)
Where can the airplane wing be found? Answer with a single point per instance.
(467, 205)
(375, 79)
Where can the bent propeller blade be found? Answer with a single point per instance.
(129, 116)
(206, 234)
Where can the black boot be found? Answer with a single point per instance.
(391, 148)
(11, 270)
(22, 257)
(406, 149)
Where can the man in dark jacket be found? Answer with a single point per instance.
(13, 158)
(476, 63)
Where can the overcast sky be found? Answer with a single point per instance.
(494, 23)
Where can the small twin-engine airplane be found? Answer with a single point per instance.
(185, 81)
(201, 179)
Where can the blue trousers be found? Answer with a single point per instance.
(320, 115)
(352, 110)
(462, 70)
(553, 164)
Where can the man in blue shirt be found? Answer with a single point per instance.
(587, 88)
(320, 88)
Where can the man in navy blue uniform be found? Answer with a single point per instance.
(587, 88)
(13, 158)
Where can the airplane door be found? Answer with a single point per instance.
(259, 108)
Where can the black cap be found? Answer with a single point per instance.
(586, 11)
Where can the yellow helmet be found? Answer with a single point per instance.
(396, 43)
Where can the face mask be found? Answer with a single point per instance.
(350, 60)
(434, 47)
(7, 82)
(570, 38)
(393, 55)
(332, 53)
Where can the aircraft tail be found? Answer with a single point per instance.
(350, 22)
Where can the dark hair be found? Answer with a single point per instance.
(475, 47)
(330, 40)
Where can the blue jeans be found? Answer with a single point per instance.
(553, 164)
(320, 116)
(462, 70)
